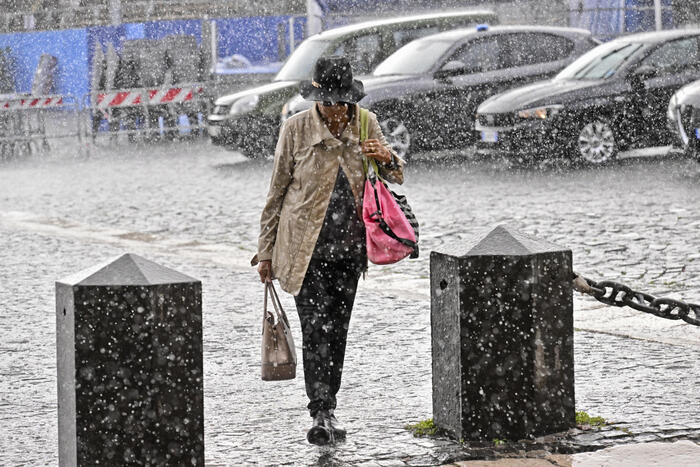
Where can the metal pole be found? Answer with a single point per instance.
(314, 18)
(115, 12)
(623, 17)
(80, 115)
(214, 45)
(657, 14)
(291, 35)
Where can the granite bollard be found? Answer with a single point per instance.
(129, 350)
(502, 338)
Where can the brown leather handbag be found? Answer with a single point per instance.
(279, 357)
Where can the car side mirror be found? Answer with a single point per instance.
(453, 65)
(451, 68)
(645, 72)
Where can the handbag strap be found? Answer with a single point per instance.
(266, 314)
(276, 303)
(364, 124)
(364, 133)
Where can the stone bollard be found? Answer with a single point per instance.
(129, 349)
(502, 338)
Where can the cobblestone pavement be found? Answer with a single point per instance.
(196, 209)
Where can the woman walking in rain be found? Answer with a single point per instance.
(312, 236)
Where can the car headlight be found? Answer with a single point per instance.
(540, 113)
(245, 104)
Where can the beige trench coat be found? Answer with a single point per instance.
(304, 173)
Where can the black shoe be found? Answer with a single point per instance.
(336, 428)
(320, 433)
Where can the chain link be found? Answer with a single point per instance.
(616, 294)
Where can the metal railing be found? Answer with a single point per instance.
(146, 114)
(31, 124)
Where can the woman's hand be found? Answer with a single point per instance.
(265, 270)
(375, 149)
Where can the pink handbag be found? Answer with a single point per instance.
(390, 226)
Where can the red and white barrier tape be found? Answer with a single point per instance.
(23, 103)
(136, 97)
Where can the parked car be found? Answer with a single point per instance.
(427, 92)
(684, 119)
(249, 120)
(613, 98)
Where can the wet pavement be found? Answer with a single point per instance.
(677, 454)
(195, 208)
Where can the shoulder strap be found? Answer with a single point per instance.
(364, 133)
(364, 124)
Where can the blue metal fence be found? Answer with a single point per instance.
(255, 37)
(69, 46)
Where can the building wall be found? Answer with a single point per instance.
(548, 12)
(610, 18)
(22, 15)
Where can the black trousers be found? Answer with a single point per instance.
(324, 305)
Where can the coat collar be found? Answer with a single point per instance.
(321, 134)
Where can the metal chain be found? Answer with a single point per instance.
(616, 294)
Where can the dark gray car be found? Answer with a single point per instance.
(612, 99)
(427, 92)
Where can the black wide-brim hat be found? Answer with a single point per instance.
(333, 82)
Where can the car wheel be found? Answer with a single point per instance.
(397, 135)
(689, 141)
(596, 143)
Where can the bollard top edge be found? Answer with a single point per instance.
(504, 240)
(124, 270)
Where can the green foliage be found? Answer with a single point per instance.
(423, 428)
(498, 442)
(582, 418)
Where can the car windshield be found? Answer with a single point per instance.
(299, 66)
(413, 58)
(601, 62)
